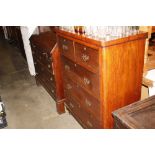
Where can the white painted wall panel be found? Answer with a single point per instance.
(26, 32)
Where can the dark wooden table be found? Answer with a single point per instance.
(139, 115)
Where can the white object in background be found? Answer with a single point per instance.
(5, 32)
(151, 76)
(26, 34)
(1, 106)
(33, 30)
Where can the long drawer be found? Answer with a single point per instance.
(88, 80)
(84, 117)
(88, 102)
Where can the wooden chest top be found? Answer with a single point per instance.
(45, 40)
(139, 115)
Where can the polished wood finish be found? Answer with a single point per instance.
(139, 115)
(87, 57)
(48, 68)
(66, 48)
(81, 96)
(58, 79)
(153, 29)
(104, 75)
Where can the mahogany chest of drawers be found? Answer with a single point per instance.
(100, 77)
(139, 115)
(47, 65)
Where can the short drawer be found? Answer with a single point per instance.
(88, 80)
(68, 67)
(66, 47)
(87, 57)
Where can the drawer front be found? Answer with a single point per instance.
(38, 48)
(88, 102)
(49, 67)
(87, 57)
(73, 106)
(49, 78)
(51, 90)
(49, 81)
(87, 120)
(44, 75)
(88, 80)
(68, 67)
(41, 55)
(45, 57)
(46, 66)
(66, 48)
(69, 87)
(38, 69)
(36, 54)
(44, 69)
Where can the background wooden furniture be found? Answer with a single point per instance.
(100, 77)
(1, 32)
(139, 115)
(149, 58)
(15, 38)
(47, 65)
